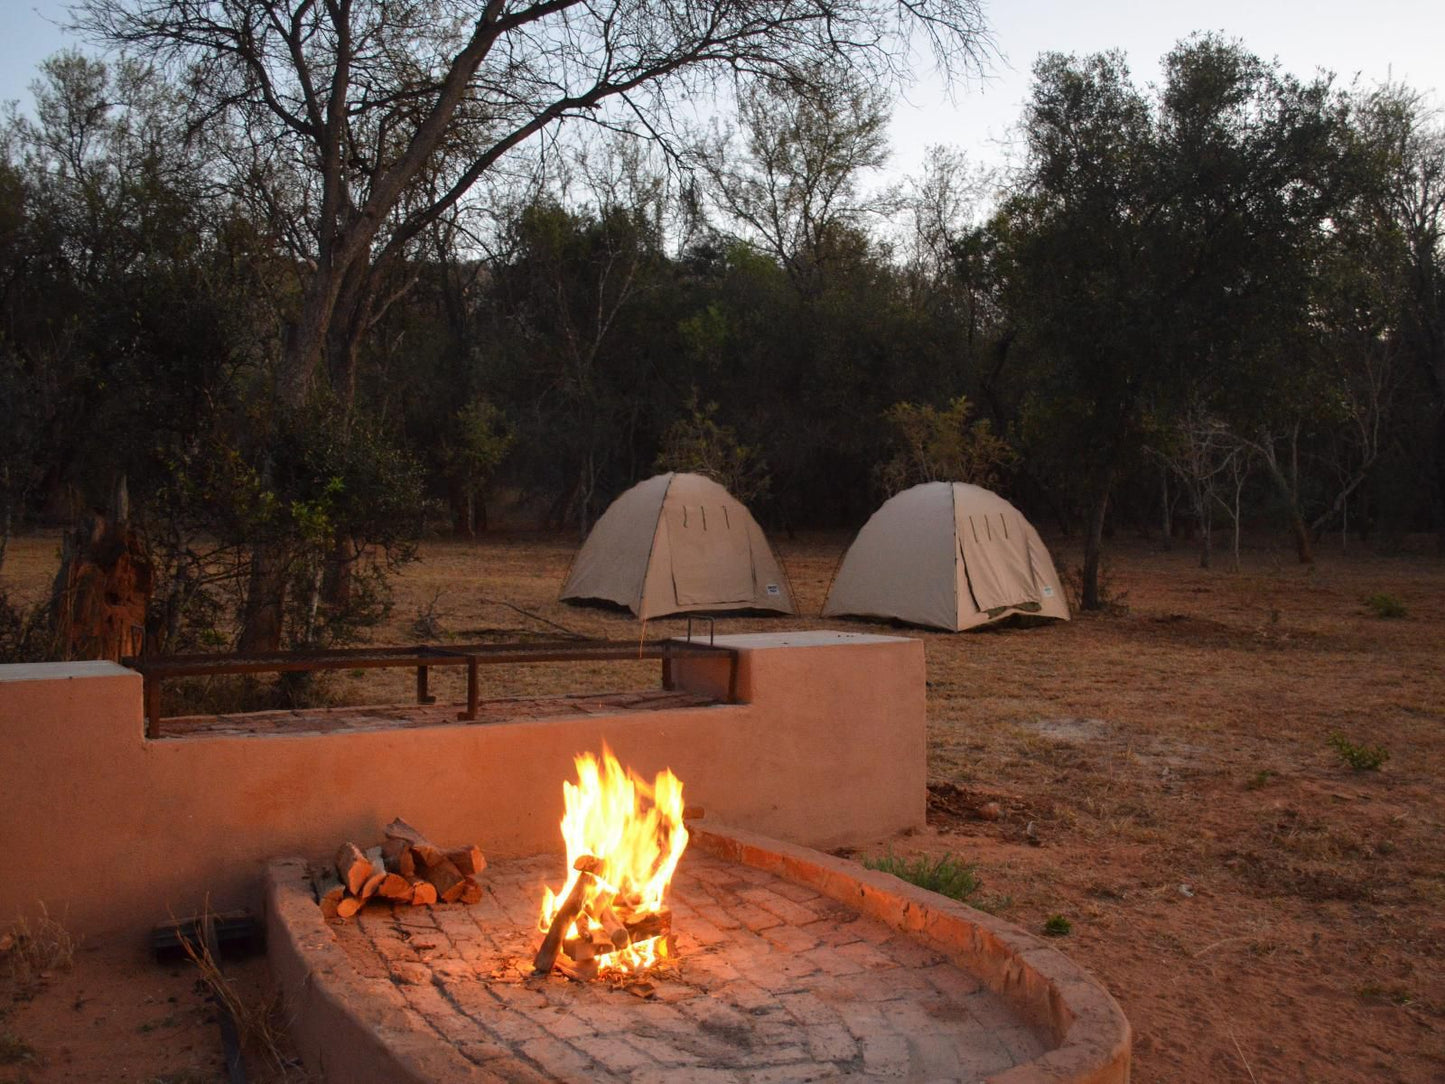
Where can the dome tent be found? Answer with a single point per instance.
(678, 543)
(947, 555)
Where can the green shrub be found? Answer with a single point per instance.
(946, 875)
(1361, 757)
(1058, 926)
(1386, 606)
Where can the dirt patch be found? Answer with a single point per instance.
(1163, 778)
(114, 1014)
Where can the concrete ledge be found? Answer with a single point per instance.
(1061, 999)
(346, 1028)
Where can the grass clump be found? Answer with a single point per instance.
(32, 951)
(1259, 779)
(1358, 755)
(259, 1023)
(945, 875)
(1386, 606)
(1058, 926)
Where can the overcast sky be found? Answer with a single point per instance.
(1377, 40)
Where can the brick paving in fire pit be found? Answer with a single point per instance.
(774, 982)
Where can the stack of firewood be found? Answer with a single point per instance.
(407, 868)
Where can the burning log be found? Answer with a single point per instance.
(615, 928)
(566, 914)
(645, 927)
(581, 972)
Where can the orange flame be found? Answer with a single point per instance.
(636, 831)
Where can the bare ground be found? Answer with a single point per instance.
(1161, 776)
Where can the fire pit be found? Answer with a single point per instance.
(624, 839)
(790, 966)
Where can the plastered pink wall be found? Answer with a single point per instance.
(114, 831)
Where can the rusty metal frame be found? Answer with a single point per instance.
(155, 669)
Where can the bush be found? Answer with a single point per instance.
(1360, 757)
(25, 631)
(946, 875)
(1386, 606)
(1058, 926)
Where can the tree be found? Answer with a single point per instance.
(1167, 252)
(365, 120)
(943, 446)
(476, 442)
(697, 442)
(1406, 142)
(1077, 272)
(792, 187)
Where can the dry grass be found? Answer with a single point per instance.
(259, 1022)
(32, 949)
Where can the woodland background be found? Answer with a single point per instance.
(262, 335)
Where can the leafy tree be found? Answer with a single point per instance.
(1406, 144)
(1166, 252)
(697, 442)
(943, 446)
(475, 444)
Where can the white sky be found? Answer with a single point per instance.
(1402, 40)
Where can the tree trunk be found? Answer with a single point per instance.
(1167, 518)
(1092, 598)
(337, 584)
(102, 591)
(1440, 481)
(261, 619)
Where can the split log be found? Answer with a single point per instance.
(353, 867)
(428, 852)
(584, 972)
(471, 891)
(468, 860)
(376, 877)
(617, 931)
(571, 907)
(348, 906)
(646, 927)
(422, 893)
(373, 883)
(394, 887)
(446, 878)
(398, 858)
(580, 949)
(331, 901)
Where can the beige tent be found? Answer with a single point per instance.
(950, 556)
(678, 543)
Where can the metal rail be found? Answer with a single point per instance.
(155, 669)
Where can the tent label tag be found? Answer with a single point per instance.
(774, 590)
(1048, 591)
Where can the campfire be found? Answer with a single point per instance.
(624, 839)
